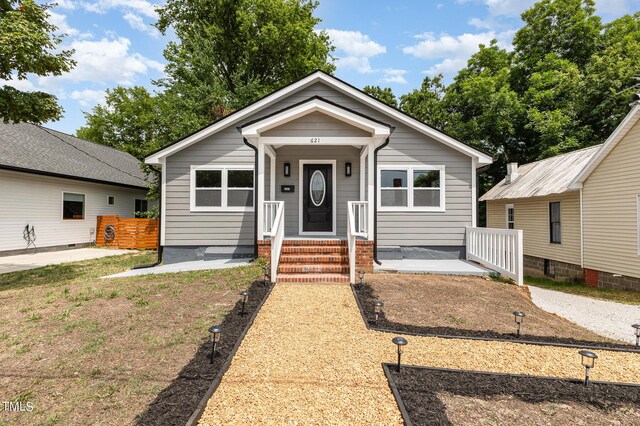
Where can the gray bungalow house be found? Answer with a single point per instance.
(321, 179)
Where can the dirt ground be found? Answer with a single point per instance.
(434, 397)
(85, 350)
(468, 306)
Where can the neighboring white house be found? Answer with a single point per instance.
(336, 164)
(580, 212)
(53, 186)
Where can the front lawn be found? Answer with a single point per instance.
(620, 296)
(86, 350)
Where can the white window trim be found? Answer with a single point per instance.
(409, 168)
(549, 223)
(506, 215)
(84, 207)
(224, 169)
(114, 200)
(140, 199)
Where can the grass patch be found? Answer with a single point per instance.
(620, 296)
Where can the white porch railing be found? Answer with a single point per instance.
(274, 229)
(498, 249)
(357, 226)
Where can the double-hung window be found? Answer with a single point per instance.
(222, 188)
(411, 188)
(510, 213)
(555, 227)
(72, 206)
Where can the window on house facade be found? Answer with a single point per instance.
(555, 227)
(141, 206)
(510, 213)
(72, 206)
(550, 267)
(222, 188)
(111, 200)
(411, 187)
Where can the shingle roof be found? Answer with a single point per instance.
(33, 148)
(545, 177)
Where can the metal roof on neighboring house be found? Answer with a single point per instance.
(30, 148)
(545, 177)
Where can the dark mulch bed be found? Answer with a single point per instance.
(178, 401)
(422, 390)
(365, 296)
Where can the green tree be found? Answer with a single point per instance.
(385, 94)
(229, 53)
(427, 102)
(28, 46)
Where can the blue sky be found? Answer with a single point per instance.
(391, 43)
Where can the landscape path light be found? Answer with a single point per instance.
(588, 361)
(519, 316)
(216, 333)
(637, 331)
(400, 342)
(265, 271)
(245, 297)
(377, 307)
(361, 276)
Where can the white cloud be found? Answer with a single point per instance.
(87, 97)
(24, 85)
(105, 61)
(65, 4)
(503, 7)
(137, 23)
(453, 51)
(394, 76)
(355, 49)
(141, 6)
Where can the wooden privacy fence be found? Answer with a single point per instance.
(127, 233)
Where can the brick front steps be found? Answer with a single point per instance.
(314, 261)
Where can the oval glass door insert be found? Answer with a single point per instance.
(318, 188)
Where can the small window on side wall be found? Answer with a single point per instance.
(555, 226)
(72, 206)
(141, 207)
(111, 200)
(510, 213)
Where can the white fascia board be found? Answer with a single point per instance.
(613, 140)
(483, 159)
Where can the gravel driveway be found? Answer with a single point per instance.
(608, 319)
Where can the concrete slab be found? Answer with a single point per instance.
(427, 266)
(23, 262)
(196, 265)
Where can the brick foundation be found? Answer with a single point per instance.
(534, 266)
(364, 255)
(591, 277)
(264, 249)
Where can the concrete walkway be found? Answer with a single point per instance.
(196, 265)
(23, 262)
(309, 359)
(609, 319)
(441, 267)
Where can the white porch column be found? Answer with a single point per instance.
(363, 156)
(260, 206)
(371, 189)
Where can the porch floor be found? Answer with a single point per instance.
(429, 266)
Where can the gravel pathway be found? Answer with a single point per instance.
(609, 319)
(309, 359)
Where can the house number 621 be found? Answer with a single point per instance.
(314, 140)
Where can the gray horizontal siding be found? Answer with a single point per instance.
(316, 124)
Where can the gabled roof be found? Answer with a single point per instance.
(34, 149)
(545, 177)
(337, 84)
(623, 128)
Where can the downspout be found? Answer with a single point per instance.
(375, 200)
(159, 259)
(255, 201)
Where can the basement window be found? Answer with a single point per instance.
(550, 268)
(72, 206)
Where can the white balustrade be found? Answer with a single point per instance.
(498, 249)
(274, 229)
(357, 226)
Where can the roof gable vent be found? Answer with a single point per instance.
(512, 172)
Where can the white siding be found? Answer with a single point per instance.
(28, 199)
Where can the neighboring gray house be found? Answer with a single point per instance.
(305, 152)
(53, 186)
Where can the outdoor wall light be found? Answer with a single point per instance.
(400, 342)
(216, 333)
(519, 316)
(347, 169)
(361, 276)
(245, 297)
(287, 169)
(588, 361)
(377, 307)
(637, 328)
